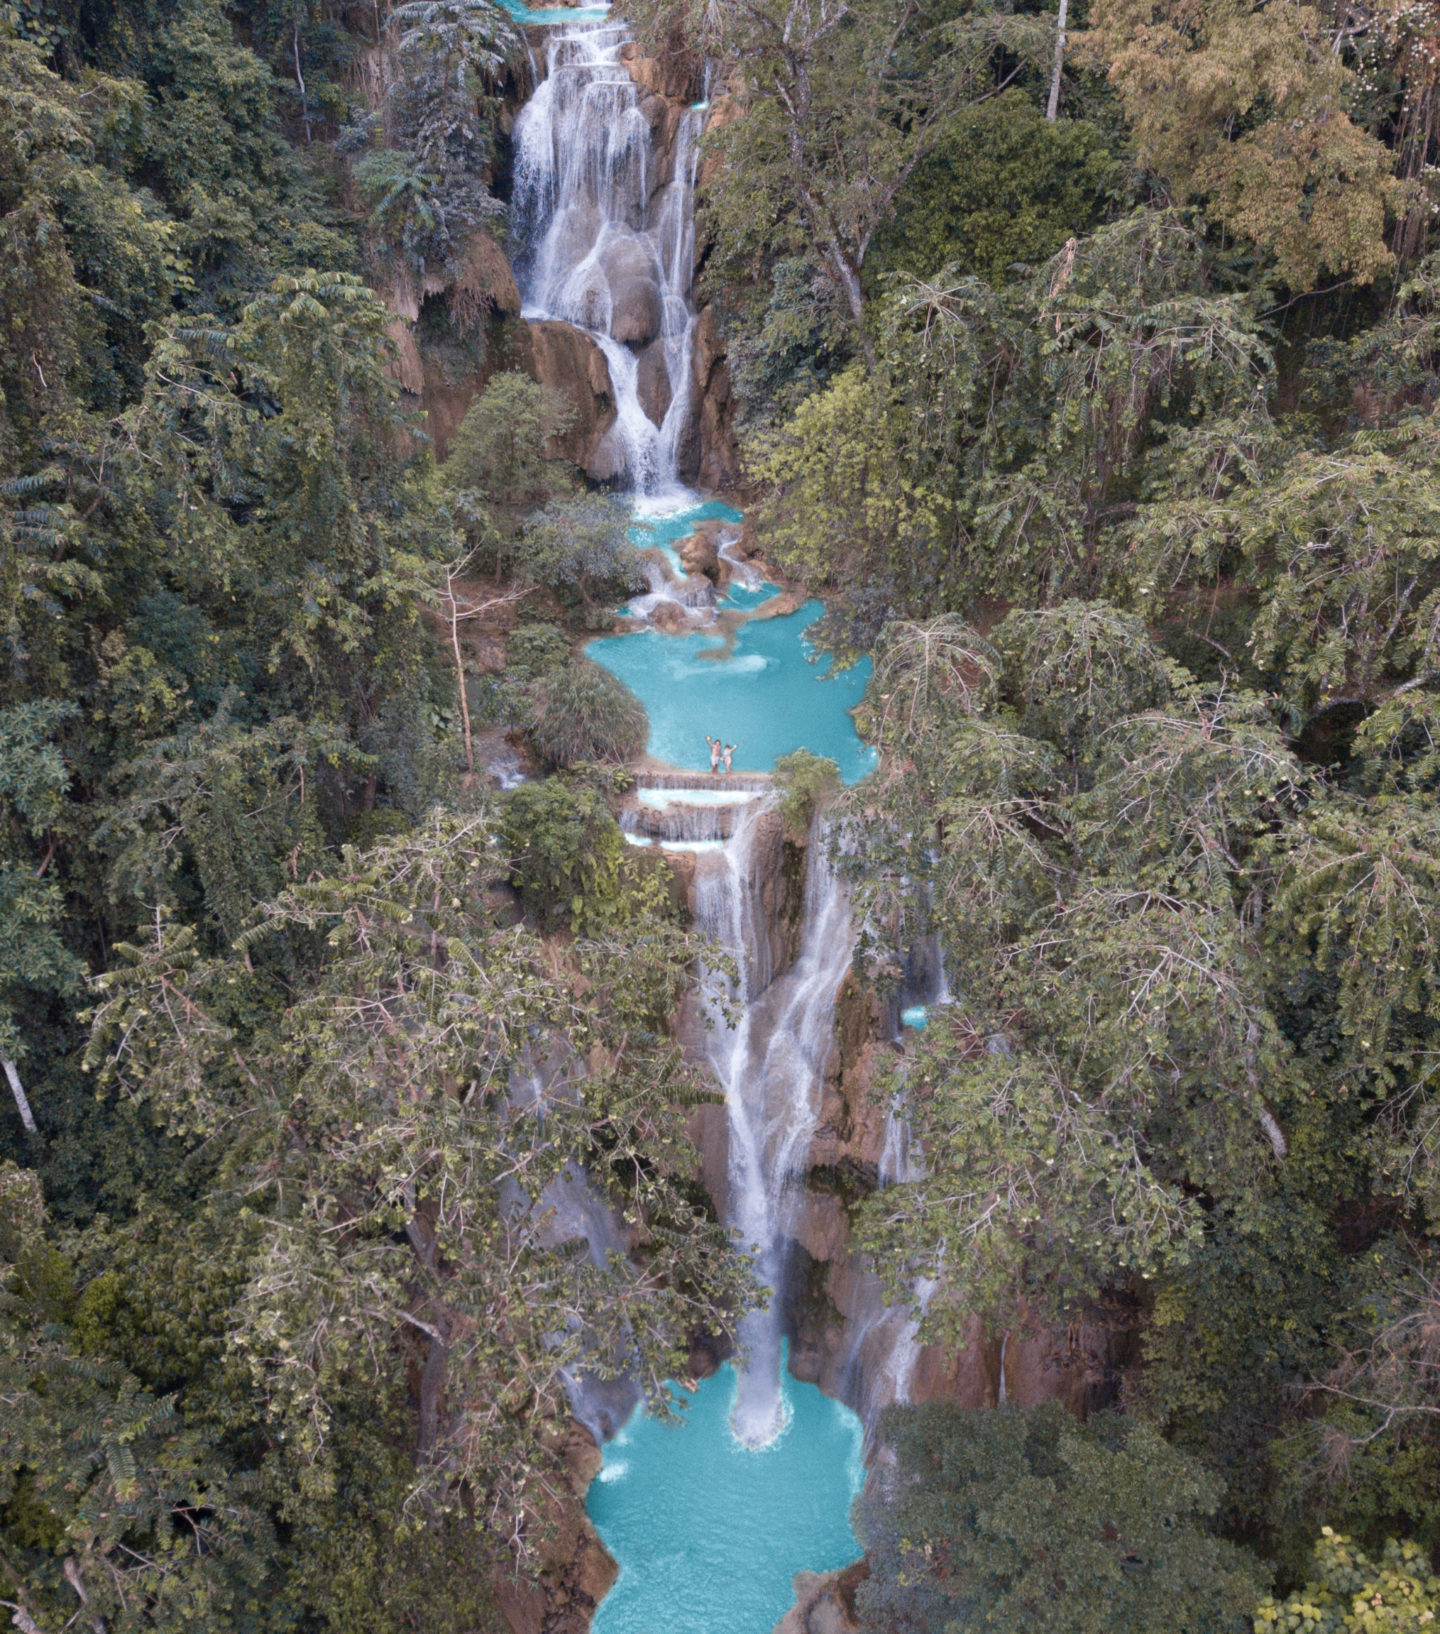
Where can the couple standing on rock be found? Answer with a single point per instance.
(719, 751)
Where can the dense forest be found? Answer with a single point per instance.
(1087, 366)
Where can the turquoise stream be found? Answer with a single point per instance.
(763, 693)
(709, 1534)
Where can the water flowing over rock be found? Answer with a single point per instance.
(604, 221)
(771, 1065)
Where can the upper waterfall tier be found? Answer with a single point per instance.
(604, 229)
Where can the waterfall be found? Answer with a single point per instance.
(771, 1066)
(607, 242)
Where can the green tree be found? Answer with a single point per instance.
(1246, 110)
(1350, 1593)
(499, 450)
(840, 104)
(386, 1094)
(1007, 1521)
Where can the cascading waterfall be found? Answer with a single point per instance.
(603, 224)
(770, 1066)
(608, 244)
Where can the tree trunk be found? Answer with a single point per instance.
(855, 295)
(460, 672)
(27, 1117)
(1053, 111)
(432, 1386)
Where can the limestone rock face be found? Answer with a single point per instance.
(708, 454)
(700, 552)
(576, 1569)
(825, 1602)
(709, 1128)
(652, 382)
(568, 359)
(675, 73)
(635, 306)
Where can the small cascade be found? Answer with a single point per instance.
(694, 594)
(885, 1349)
(606, 241)
(771, 1066)
(743, 573)
(926, 989)
(684, 817)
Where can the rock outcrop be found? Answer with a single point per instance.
(652, 382)
(565, 357)
(825, 1602)
(575, 1568)
(709, 456)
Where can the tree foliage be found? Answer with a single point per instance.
(1007, 1520)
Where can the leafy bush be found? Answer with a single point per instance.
(808, 781)
(534, 650)
(1014, 1521)
(1353, 1594)
(566, 851)
(583, 713)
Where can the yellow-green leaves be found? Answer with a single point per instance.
(1353, 1593)
(1244, 107)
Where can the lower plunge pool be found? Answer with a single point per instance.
(709, 1534)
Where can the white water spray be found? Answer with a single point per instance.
(771, 1066)
(607, 243)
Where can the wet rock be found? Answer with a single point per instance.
(969, 1377)
(823, 1228)
(652, 382)
(583, 1458)
(596, 1573)
(699, 553)
(607, 460)
(825, 1602)
(778, 606)
(708, 453)
(633, 279)
(565, 357)
(669, 616)
(521, 1604)
(1073, 1364)
(636, 312)
(708, 1127)
(705, 1357)
(674, 73)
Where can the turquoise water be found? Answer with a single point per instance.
(555, 14)
(708, 1534)
(663, 532)
(766, 697)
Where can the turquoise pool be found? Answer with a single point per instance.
(765, 696)
(555, 14)
(709, 1534)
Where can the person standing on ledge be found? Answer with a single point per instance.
(730, 749)
(714, 754)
